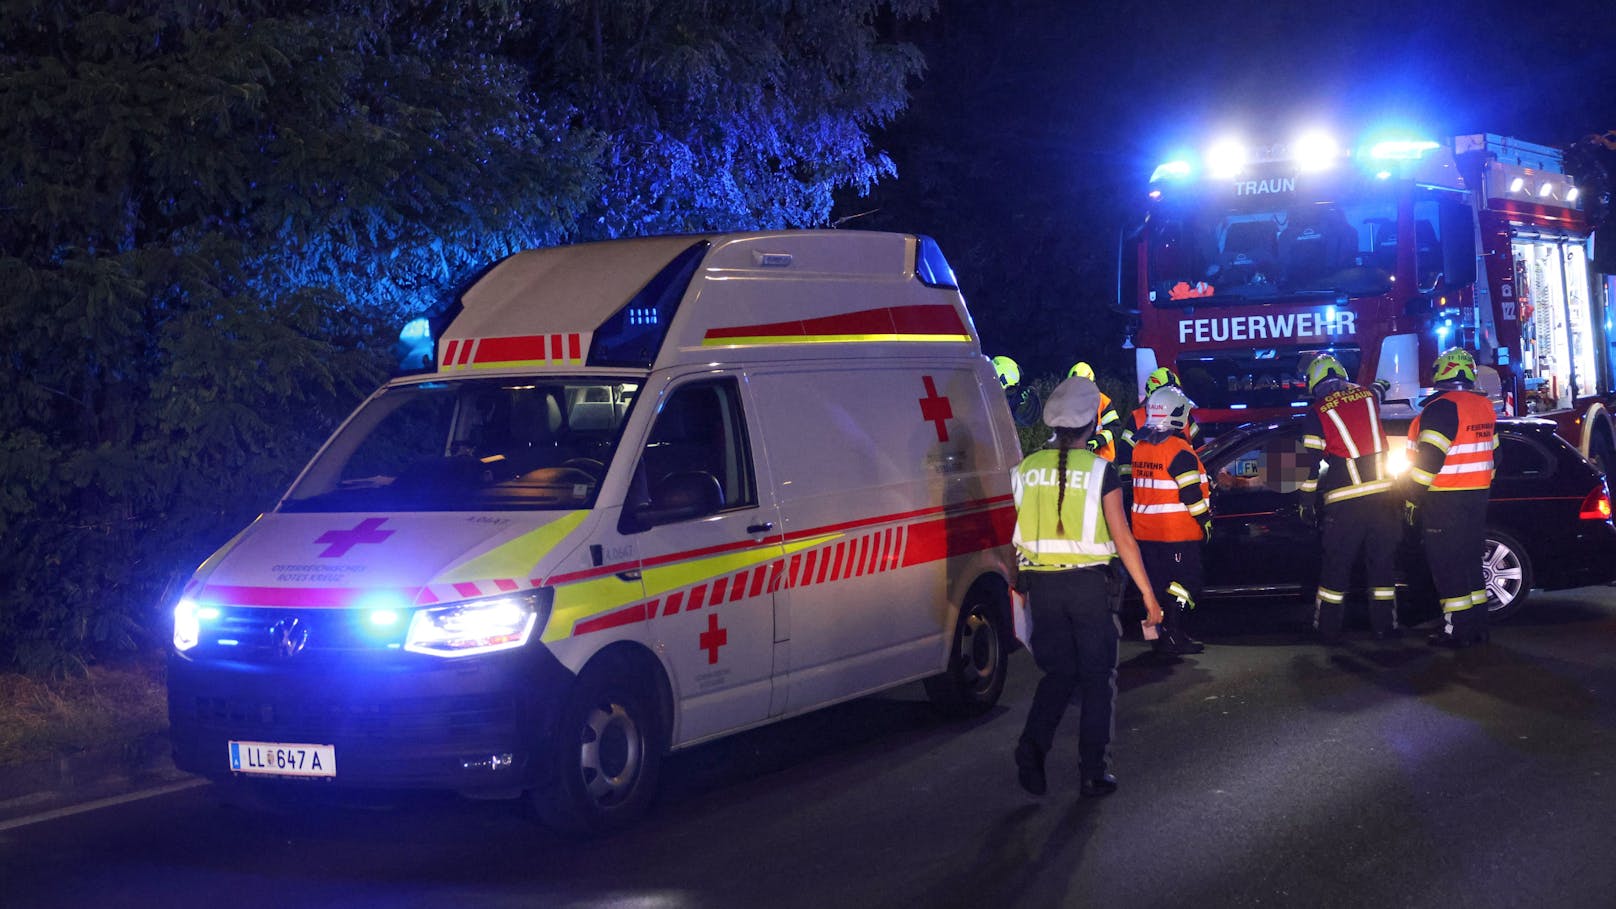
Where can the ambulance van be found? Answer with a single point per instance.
(646, 493)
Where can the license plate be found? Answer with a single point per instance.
(283, 759)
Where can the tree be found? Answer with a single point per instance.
(212, 216)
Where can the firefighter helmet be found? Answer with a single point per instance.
(1324, 366)
(1081, 370)
(1073, 404)
(1168, 408)
(1160, 377)
(1454, 365)
(1008, 372)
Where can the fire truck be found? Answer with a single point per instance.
(1249, 261)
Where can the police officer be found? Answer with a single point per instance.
(1134, 424)
(1343, 439)
(1172, 513)
(1451, 446)
(1070, 523)
(1104, 440)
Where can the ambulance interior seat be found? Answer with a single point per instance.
(535, 420)
(1249, 248)
(591, 427)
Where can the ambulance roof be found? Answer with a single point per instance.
(657, 301)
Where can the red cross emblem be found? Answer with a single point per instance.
(935, 409)
(338, 542)
(713, 638)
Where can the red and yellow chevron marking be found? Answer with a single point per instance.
(931, 322)
(704, 579)
(522, 350)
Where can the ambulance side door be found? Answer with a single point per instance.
(707, 533)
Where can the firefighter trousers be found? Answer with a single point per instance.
(1453, 531)
(1074, 641)
(1168, 564)
(1366, 527)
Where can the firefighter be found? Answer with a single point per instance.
(1103, 442)
(1172, 514)
(1451, 446)
(1008, 372)
(1160, 377)
(1358, 515)
(1070, 523)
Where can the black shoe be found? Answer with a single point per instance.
(1030, 768)
(1389, 634)
(1104, 784)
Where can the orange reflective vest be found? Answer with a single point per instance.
(1170, 491)
(1105, 429)
(1451, 442)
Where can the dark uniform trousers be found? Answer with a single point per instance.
(1074, 640)
(1454, 528)
(1373, 525)
(1169, 562)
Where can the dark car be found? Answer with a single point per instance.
(1548, 522)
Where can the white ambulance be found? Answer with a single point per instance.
(648, 493)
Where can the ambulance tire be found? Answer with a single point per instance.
(978, 662)
(600, 771)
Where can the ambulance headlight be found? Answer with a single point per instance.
(479, 626)
(187, 624)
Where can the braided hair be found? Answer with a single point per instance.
(1067, 439)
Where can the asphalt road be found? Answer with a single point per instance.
(1265, 772)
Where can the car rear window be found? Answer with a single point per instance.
(1518, 457)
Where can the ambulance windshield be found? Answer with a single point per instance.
(471, 445)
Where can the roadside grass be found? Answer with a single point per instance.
(45, 718)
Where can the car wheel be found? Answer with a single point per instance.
(601, 765)
(977, 665)
(1506, 575)
(1601, 451)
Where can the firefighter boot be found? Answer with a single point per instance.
(1174, 639)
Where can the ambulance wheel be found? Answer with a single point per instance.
(603, 762)
(1506, 575)
(977, 661)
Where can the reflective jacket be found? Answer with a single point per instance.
(1451, 442)
(1343, 435)
(1170, 490)
(1106, 425)
(1074, 537)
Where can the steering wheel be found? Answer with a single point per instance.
(594, 468)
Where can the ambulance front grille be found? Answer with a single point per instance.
(453, 718)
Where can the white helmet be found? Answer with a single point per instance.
(1168, 408)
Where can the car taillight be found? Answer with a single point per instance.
(1596, 506)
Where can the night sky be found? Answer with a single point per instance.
(1031, 138)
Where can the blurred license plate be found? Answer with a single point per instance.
(283, 758)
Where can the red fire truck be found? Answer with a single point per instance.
(1249, 261)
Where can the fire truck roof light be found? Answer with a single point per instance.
(1315, 151)
(1171, 170)
(1517, 184)
(1572, 194)
(1402, 149)
(1545, 190)
(1226, 159)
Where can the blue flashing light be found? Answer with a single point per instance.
(383, 618)
(1237, 407)
(229, 642)
(1329, 313)
(207, 612)
(416, 331)
(1171, 170)
(1315, 151)
(1383, 175)
(1402, 149)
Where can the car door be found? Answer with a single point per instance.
(1259, 541)
(711, 568)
